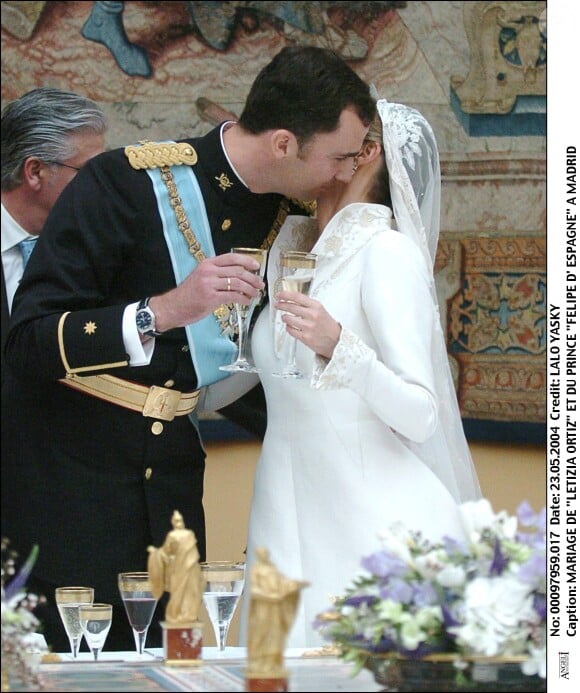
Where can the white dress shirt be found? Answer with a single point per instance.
(12, 234)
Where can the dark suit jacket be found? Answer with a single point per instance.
(89, 481)
(5, 326)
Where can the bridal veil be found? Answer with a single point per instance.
(412, 159)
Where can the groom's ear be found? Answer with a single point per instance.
(283, 144)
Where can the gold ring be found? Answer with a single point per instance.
(229, 284)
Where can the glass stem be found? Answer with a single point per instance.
(222, 635)
(292, 355)
(139, 640)
(242, 323)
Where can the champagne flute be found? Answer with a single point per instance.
(296, 274)
(139, 602)
(68, 601)
(95, 620)
(222, 587)
(244, 315)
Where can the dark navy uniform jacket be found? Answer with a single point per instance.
(87, 480)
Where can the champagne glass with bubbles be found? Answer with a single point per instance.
(222, 587)
(96, 622)
(244, 315)
(68, 602)
(135, 589)
(296, 274)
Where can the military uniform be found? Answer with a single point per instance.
(94, 483)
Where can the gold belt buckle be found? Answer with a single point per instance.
(161, 403)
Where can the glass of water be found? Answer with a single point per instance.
(95, 620)
(223, 583)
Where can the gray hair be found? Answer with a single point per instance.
(40, 124)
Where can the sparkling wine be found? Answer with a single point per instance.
(243, 316)
(69, 600)
(69, 614)
(220, 605)
(297, 270)
(139, 612)
(301, 284)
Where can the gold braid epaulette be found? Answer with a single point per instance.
(157, 154)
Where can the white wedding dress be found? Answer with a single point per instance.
(338, 463)
(372, 436)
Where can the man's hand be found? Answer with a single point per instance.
(227, 278)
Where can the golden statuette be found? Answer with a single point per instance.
(274, 601)
(174, 568)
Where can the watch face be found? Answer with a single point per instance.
(143, 320)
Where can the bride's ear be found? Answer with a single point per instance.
(369, 152)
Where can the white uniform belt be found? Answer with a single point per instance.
(156, 402)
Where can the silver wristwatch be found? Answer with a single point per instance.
(145, 319)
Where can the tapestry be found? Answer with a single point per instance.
(476, 70)
(496, 327)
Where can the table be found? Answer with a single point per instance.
(125, 671)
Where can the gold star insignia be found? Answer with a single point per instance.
(90, 327)
(224, 181)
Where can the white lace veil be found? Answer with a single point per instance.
(415, 184)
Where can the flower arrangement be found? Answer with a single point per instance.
(484, 597)
(18, 620)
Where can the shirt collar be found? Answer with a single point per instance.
(12, 232)
(223, 128)
(219, 171)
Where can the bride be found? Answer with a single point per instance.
(373, 435)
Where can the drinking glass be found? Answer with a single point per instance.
(135, 589)
(296, 274)
(96, 622)
(68, 601)
(244, 315)
(222, 588)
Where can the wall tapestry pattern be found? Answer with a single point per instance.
(496, 325)
(476, 70)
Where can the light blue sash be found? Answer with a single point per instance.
(208, 348)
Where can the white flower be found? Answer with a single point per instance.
(452, 576)
(412, 634)
(536, 663)
(497, 614)
(391, 611)
(478, 516)
(432, 563)
(398, 541)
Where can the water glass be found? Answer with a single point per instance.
(95, 620)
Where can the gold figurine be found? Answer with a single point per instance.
(274, 601)
(174, 568)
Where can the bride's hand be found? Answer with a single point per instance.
(309, 322)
